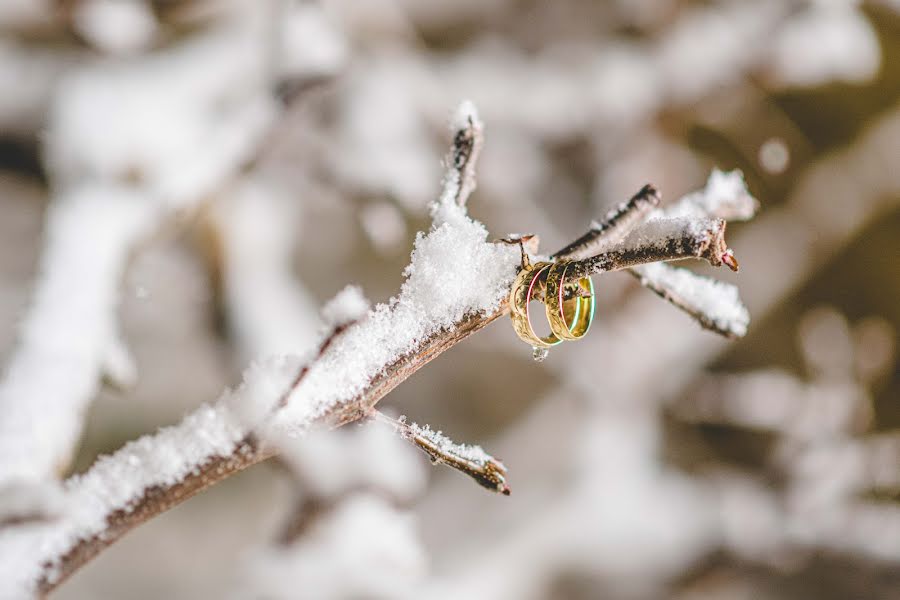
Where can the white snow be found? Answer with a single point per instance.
(725, 196)
(349, 305)
(717, 301)
(454, 272)
(115, 482)
(473, 453)
(63, 345)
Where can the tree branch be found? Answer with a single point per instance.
(456, 285)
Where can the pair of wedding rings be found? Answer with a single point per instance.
(569, 305)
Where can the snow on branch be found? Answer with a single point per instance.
(637, 234)
(714, 304)
(617, 224)
(472, 460)
(663, 240)
(457, 282)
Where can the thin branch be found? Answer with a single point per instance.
(487, 471)
(663, 240)
(153, 501)
(460, 181)
(724, 197)
(615, 226)
(715, 305)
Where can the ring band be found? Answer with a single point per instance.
(519, 299)
(569, 319)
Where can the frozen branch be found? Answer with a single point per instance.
(473, 461)
(615, 227)
(456, 283)
(714, 305)
(663, 240)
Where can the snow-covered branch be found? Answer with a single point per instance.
(456, 283)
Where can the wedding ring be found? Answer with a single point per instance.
(570, 319)
(519, 299)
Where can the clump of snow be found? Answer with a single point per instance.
(713, 300)
(363, 549)
(348, 305)
(465, 121)
(725, 196)
(465, 116)
(454, 272)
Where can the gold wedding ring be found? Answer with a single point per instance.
(570, 319)
(519, 299)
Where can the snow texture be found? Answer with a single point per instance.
(117, 481)
(349, 305)
(725, 196)
(472, 453)
(713, 300)
(454, 272)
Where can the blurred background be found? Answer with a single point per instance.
(282, 149)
